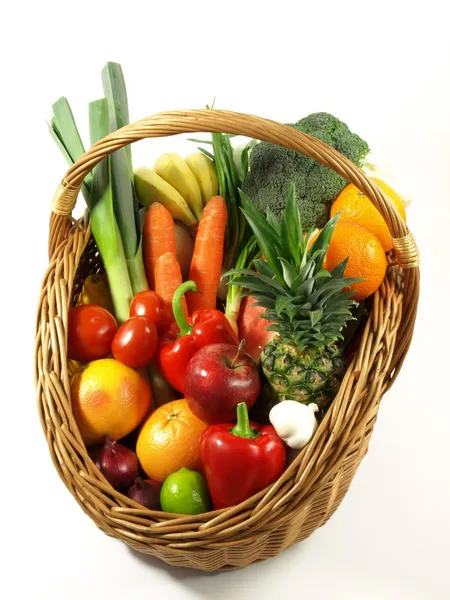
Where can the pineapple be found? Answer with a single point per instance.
(309, 375)
(307, 305)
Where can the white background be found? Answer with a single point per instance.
(383, 67)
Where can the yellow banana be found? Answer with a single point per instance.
(150, 188)
(173, 169)
(205, 173)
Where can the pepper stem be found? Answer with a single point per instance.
(178, 313)
(242, 427)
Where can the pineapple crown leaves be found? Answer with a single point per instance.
(306, 304)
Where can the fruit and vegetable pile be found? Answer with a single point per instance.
(236, 285)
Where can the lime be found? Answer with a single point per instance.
(185, 492)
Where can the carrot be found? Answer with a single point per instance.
(158, 238)
(168, 278)
(206, 264)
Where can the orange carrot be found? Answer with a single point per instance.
(158, 238)
(206, 264)
(168, 278)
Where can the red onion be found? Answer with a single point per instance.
(146, 492)
(118, 463)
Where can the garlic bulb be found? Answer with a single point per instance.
(294, 422)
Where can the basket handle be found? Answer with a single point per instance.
(221, 121)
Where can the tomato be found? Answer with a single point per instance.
(91, 329)
(149, 304)
(135, 342)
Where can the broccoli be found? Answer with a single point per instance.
(273, 168)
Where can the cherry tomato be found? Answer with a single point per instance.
(149, 304)
(135, 342)
(91, 329)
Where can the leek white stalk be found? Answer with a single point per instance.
(103, 221)
(122, 178)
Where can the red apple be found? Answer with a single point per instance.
(217, 378)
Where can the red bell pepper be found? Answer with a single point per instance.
(240, 461)
(178, 345)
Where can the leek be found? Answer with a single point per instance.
(109, 191)
(63, 130)
(115, 91)
(103, 221)
(103, 224)
(122, 178)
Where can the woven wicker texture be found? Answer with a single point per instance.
(313, 486)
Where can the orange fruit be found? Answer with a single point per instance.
(108, 397)
(366, 257)
(357, 208)
(169, 440)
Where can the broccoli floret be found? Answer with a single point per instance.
(273, 168)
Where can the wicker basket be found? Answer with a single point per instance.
(313, 486)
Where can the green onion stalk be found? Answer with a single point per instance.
(232, 165)
(109, 191)
(248, 254)
(231, 168)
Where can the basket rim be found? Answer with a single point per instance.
(163, 124)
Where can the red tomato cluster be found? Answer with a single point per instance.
(93, 331)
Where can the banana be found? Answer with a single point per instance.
(150, 188)
(205, 173)
(173, 169)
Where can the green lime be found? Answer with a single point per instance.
(185, 492)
